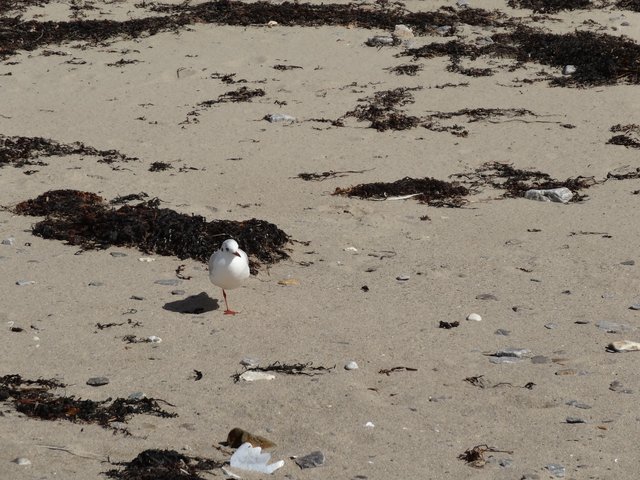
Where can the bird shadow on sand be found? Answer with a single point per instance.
(193, 304)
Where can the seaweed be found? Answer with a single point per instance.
(406, 69)
(34, 399)
(242, 94)
(551, 6)
(154, 464)
(437, 193)
(20, 151)
(382, 112)
(84, 219)
(287, 368)
(475, 456)
(633, 5)
(629, 135)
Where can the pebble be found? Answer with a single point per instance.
(574, 420)
(616, 386)
(118, 254)
(577, 404)
(351, 366)
(486, 296)
(503, 332)
(635, 306)
(628, 262)
(314, 459)
(512, 352)
(250, 362)
(171, 282)
(539, 359)
(444, 30)
(280, 117)
(153, 339)
(96, 284)
(177, 292)
(556, 470)
(612, 327)
(9, 241)
(369, 425)
(474, 317)
(22, 283)
(559, 195)
(402, 278)
(22, 461)
(137, 396)
(569, 69)
(97, 381)
(251, 376)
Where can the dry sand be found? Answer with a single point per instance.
(246, 168)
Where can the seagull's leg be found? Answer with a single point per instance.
(227, 311)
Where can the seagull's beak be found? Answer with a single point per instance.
(236, 254)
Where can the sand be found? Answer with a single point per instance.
(526, 254)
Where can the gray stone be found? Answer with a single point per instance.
(550, 326)
(556, 470)
(486, 296)
(97, 381)
(314, 459)
(635, 306)
(503, 332)
(171, 282)
(539, 359)
(137, 396)
(577, 404)
(177, 292)
(9, 241)
(402, 278)
(96, 284)
(628, 262)
(574, 420)
(612, 327)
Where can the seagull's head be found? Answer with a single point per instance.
(230, 246)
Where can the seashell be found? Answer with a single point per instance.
(624, 346)
(474, 317)
(351, 366)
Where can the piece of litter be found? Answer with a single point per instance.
(288, 282)
(251, 376)
(146, 259)
(314, 459)
(22, 461)
(251, 458)
(153, 339)
(474, 317)
(369, 425)
(624, 346)
(560, 195)
(351, 366)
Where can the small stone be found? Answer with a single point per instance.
(402, 278)
(635, 306)
(566, 372)
(280, 117)
(369, 425)
(503, 332)
(172, 282)
(153, 339)
(97, 381)
(9, 241)
(249, 362)
(486, 296)
(628, 262)
(22, 461)
(577, 404)
(474, 317)
(314, 459)
(512, 352)
(569, 70)
(556, 470)
(96, 284)
(177, 292)
(550, 326)
(137, 396)
(574, 420)
(22, 283)
(540, 359)
(612, 327)
(351, 366)
(251, 376)
(118, 254)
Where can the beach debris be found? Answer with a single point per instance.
(22, 283)
(474, 456)
(83, 218)
(319, 177)
(351, 366)
(381, 41)
(560, 195)
(163, 464)
(624, 346)
(628, 136)
(369, 425)
(436, 193)
(288, 369)
(250, 458)
(242, 94)
(474, 317)
(97, 381)
(448, 325)
(237, 436)
(389, 371)
(406, 69)
(482, 382)
(613, 327)
(9, 241)
(556, 470)
(635, 306)
(574, 420)
(486, 296)
(311, 460)
(34, 399)
(403, 278)
(23, 461)
(569, 70)
(135, 339)
(577, 404)
(617, 386)
(550, 6)
(502, 332)
(403, 35)
(22, 151)
(249, 362)
(251, 376)
(279, 117)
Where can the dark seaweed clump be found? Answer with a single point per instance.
(437, 193)
(551, 6)
(628, 135)
(21, 151)
(34, 399)
(163, 465)
(382, 111)
(84, 219)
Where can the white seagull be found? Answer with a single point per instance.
(228, 269)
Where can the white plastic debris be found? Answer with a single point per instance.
(250, 458)
(369, 425)
(351, 366)
(22, 283)
(474, 317)
(279, 117)
(624, 346)
(22, 461)
(154, 339)
(569, 69)
(146, 259)
(251, 376)
(350, 249)
(560, 195)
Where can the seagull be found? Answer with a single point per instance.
(228, 269)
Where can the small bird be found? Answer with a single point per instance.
(228, 269)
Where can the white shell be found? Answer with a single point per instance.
(625, 346)
(22, 461)
(474, 317)
(252, 376)
(351, 366)
(369, 425)
(154, 339)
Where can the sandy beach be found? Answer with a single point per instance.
(367, 280)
